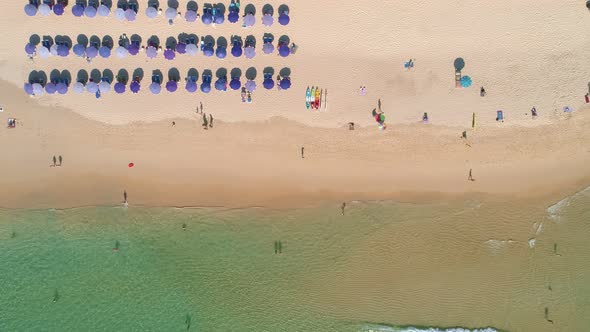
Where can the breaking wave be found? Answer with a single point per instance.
(385, 328)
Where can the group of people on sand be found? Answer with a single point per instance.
(55, 160)
(246, 95)
(207, 122)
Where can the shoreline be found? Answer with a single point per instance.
(259, 164)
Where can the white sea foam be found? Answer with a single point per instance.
(532, 243)
(555, 209)
(425, 329)
(497, 245)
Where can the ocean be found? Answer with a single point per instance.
(473, 265)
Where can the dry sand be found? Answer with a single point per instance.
(525, 54)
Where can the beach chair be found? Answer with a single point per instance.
(457, 79)
(500, 116)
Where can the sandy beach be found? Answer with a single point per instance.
(524, 58)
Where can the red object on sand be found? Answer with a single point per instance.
(587, 98)
(131, 165)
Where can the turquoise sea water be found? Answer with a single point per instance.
(374, 268)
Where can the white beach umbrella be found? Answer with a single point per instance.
(43, 52)
(120, 14)
(53, 49)
(104, 87)
(191, 49)
(44, 9)
(37, 89)
(78, 87)
(171, 13)
(122, 52)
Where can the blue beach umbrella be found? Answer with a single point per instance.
(78, 10)
(30, 49)
(206, 87)
(103, 11)
(221, 84)
(155, 88)
(285, 83)
(92, 87)
(284, 19)
(58, 9)
(90, 11)
(151, 12)
(233, 17)
(250, 85)
(104, 87)
(130, 15)
(221, 52)
(78, 87)
(171, 86)
(466, 81)
(28, 88)
(30, 10)
(50, 88)
(191, 86)
(218, 18)
(267, 20)
(169, 54)
(268, 48)
(171, 13)
(268, 83)
(235, 83)
(207, 18)
(133, 49)
(122, 52)
(236, 51)
(249, 52)
(208, 50)
(249, 20)
(120, 14)
(190, 16)
(134, 87)
(79, 50)
(91, 52)
(104, 52)
(181, 48)
(62, 88)
(151, 52)
(284, 50)
(63, 50)
(119, 87)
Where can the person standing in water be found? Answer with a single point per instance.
(54, 161)
(343, 207)
(60, 160)
(125, 196)
(470, 178)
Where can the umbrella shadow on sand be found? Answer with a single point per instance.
(82, 39)
(173, 74)
(221, 73)
(173, 4)
(207, 72)
(285, 72)
(82, 76)
(268, 9)
(95, 41)
(157, 73)
(209, 40)
(192, 5)
(123, 76)
(192, 74)
(269, 71)
(250, 9)
(83, 3)
(251, 73)
(54, 75)
(284, 39)
(222, 42)
(236, 73)
(154, 41)
(108, 41)
(283, 8)
(107, 3)
(34, 39)
(95, 75)
(138, 74)
(171, 43)
(251, 40)
(135, 38)
(154, 4)
(459, 64)
(66, 76)
(38, 77)
(63, 40)
(108, 74)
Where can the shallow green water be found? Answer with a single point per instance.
(223, 273)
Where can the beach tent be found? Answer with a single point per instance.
(30, 10)
(284, 18)
(134, 87)
(169, 54)
(171, 86)
(249, 20)
(235, 83)
(58, 9)
(250, 85)
(249, 52)
(78, 10)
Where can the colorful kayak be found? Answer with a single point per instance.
(307, 95)
(312, 97)
(317, 98)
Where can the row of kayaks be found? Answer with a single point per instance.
(316, 98)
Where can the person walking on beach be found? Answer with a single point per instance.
(470, 178)
(201, 107)
(379, 105)
(205, 123)
(482, 92)
(302, 152)
(210, 120)
(54, 162)
(125, 196)
(343, 207)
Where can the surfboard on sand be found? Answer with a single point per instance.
(312, 97)
(326, 99)
(307, 95)
(317, 98)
